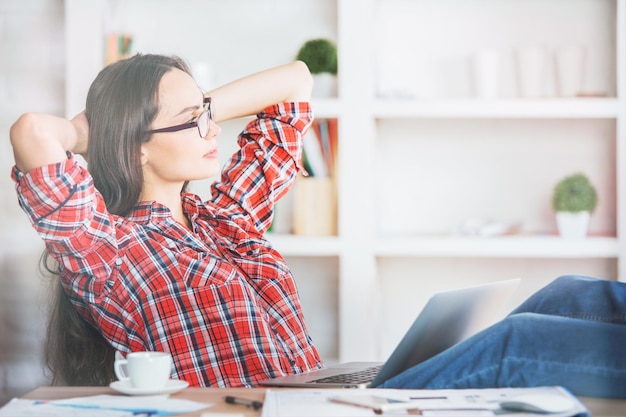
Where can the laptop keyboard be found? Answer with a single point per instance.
(358, 377)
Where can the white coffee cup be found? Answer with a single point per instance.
(145, 370)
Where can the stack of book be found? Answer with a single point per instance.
(320, 149)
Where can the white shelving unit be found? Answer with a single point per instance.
(592, 108)
(412, 168)
(499, 247)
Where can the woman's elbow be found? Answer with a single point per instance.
(30, 138)
(23, 125)
(304, 82)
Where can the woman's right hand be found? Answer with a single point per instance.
(82, 134)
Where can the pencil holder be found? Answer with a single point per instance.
(314, 207)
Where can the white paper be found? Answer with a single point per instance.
(439, 403)
(28, 408)
(309, 403)
(161, 403)
(101, 406)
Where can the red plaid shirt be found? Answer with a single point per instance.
(220, 298)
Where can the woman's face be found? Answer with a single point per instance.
(171, 158)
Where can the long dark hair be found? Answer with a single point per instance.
(75, 351)
(121, 104)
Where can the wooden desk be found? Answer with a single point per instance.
(598, 407)
(214, 396)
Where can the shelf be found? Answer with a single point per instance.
(593, 108)
(291, 245)
(499, 247)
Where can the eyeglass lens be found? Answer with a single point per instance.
(204, 120)
(204, 123)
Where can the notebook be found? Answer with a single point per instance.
(447, 318)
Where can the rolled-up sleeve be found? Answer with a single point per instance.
(71, 217)
(265, 166)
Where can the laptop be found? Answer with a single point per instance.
(448, 318)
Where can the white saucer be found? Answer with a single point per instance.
(171, 386)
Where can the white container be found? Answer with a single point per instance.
(486, 73)
(570, 69)
(573, 225)
(532, 64)
(324, 85)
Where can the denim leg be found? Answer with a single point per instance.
(527, 349)
(579, 297)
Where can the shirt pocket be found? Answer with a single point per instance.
(203, 269)
(259, 262)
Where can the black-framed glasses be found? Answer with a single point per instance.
(202, 122)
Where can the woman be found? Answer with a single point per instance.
(145, 266)
(148, 266)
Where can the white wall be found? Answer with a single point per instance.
(31, 78)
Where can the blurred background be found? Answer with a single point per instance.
(456, 119)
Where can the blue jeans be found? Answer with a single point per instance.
(570, 333)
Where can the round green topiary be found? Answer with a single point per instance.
(574, 194)
(320, 55)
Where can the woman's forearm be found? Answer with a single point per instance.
(249, 95)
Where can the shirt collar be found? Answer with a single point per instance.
(153, 212)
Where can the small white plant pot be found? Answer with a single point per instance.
(324, 85)
(573, 225)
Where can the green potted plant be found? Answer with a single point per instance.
(574, 199)
(320, 55)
